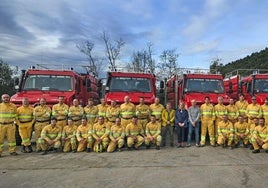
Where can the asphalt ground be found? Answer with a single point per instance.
(167, 167)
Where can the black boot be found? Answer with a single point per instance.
(29, 149)
(23, 149)
(88, 150)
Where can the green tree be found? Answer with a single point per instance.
(6, 81)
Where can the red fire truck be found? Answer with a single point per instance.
(50, 84)
(253, 84)
(195, 84)
(133, 84)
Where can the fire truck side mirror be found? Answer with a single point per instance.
(162, 86)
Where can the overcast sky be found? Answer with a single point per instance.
(47, 31)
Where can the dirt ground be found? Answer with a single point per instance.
(168, 167)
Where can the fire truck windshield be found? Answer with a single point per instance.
(130, 84)
(204, 85)
(48, 83)
(261, 86)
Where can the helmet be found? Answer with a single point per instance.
(98, 148)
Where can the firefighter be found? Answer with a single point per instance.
(112, 113)
(60, 111)
(8, 115)
(25, 123)
(232, 111)
(153, 133)
(264, 110)
(68, 137)
(251, 129)
(225, 132)
(156, 109)
(84, 136)
(242, 105)
(127, 111)
(91, 112)
(102, 108)
(50, 137)
(42, 117)
(142, 112)
(220, 110)
(168, 119)
(100, 133)
(241, 132)
(116, 136)
(76, 112)
(207, 122)
(134, 134)
(253, 110)
(260, 137)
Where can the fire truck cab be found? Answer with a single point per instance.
(197, 85)
(133, 84)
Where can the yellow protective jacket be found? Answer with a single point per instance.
(241, 128)
(82, 132)
(142, 111)
(242, 107)
(134, 130)
(112, 113)
(207, 112)
(50, 132)
(91, 113)
(76, 112)
(264, 112)
(25, 114)
(156, 110)
(127, 110)
(225, 128)
(60, 111)
(117, 132)
(42, 113)
(100, 131)
(69, 131)
(232, 112)
(261, 132)
(168, 116)
(8, 113)
(153, 129)
(102, 109)
(253, 110)
(220, 110)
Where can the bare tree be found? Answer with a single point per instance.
(112, 49)
(151, 62)
(86, 48)
(169, 61)
(139, 61)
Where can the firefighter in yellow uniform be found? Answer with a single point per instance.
(91, 112)
(241, 132)
(68, 137)
(25, 123)
(242, 105)
(225, 132)
(168, 120)
(220, 110)
(232, 111)
(42, 117)
(264, 110)
(127, 111)
(116, 136)
(251, 129)
(156, 109)
(253, 110)
(8, 115)
(60, 111)
(102, 108)
(134, 134)
(260, 137)
(207, 122)
(76, 112)
(100, 133)
(84, 136)
(153, 133)
(142, 112)
(50, 137)
(113, 111)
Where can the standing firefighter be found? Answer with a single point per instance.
(76, 112)
(91, 112)
(253, 110)
(25, 122)
(156, 109)
(42, 116)
(168, 119)
(207, 120)
(60, 111)
(220, 110)
(142, 112)
(127, 111)
(8, 114)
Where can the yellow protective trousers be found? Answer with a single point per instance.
(207, 125)
(125, 122)
(9, 131)
(156, 141)
(112, 145)
(87, 143)
(228, 141)
(69, 145)
(61, 123)
(138, 142)
(143, 123)
(25, 131)
(37, 130)
(45, 146)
